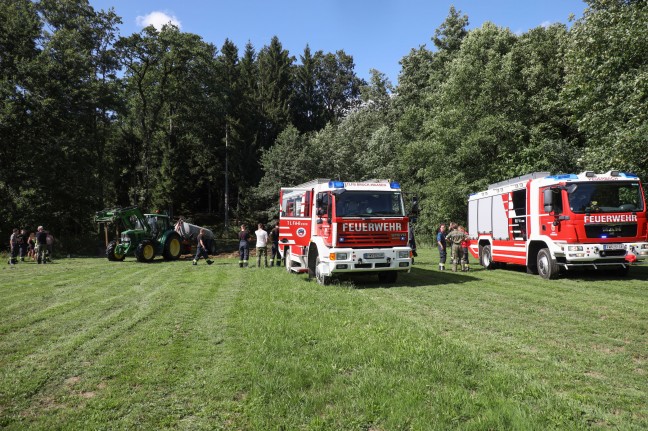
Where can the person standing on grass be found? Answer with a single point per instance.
(201, 248)
(274, 238)
(261, 245)
(244, 246)
(41, 245)
(456, 237)
(464, 247)
(441, 242)
(23, 244)
(412, 241)
(14, 246)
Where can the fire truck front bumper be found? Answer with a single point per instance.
(341, 260)
(617, 254)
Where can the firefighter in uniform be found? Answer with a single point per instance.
(456, 237)
(274, 239)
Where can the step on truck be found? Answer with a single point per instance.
(553, 223)
(329, 228)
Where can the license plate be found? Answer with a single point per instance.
(374, 255)
(613, 247)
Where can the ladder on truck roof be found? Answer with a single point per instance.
(532, 176)
(310, 183)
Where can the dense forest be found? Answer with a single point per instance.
(92, 119)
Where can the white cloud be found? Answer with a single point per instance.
(546, 24)
(157, 19)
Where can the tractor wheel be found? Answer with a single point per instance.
(172, 247)
(112, 254)
(145, 251)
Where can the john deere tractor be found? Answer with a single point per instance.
(144, 235)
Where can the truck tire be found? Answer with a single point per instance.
(321, 278)
(172, 247)
(111, 253)
(486, 257)
(145, 251)
(547, 267)
(388, 277)
(287, 261)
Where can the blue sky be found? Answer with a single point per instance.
(377, 33)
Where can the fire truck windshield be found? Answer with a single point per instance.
(594, 197)
(369, 204)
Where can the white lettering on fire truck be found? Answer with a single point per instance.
(371, 227)
(610, 218)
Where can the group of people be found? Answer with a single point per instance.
(244, 236)
(34, 246)
(458, 240)
(262, 238)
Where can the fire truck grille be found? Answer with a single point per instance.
(613, 253)
(610, 231)
(366, 239)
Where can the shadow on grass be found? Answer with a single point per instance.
(637, 272)
(418, 277)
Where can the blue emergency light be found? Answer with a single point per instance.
(628, 175)
(394, 185)
(336, 184)
(563, 177)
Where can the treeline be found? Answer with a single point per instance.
(92, 119)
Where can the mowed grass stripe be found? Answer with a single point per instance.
(583, 336)
(331, 357)
(91, 328)
(170, 345)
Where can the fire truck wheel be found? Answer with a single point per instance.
(287, 261)
(321, 278)
(547, 267)
(486, 257)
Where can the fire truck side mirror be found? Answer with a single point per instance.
(548, 200)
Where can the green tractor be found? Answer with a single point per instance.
(145, 235)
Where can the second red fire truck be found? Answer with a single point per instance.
(331, 227)
(552, 222)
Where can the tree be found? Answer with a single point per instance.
(274, 90)
(170, 89)
(606, 84)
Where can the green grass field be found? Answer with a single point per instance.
(92, 344)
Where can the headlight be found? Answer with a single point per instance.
(575, 248)
(339, 256)
(403, 254)
(644, 246)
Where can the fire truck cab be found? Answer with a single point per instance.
(550, 222)
(332, 227)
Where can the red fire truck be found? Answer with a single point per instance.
(550, 222)
(333, 227)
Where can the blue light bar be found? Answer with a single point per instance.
(394, 185)
(628, 175)
(563, 177)
(336, 184)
